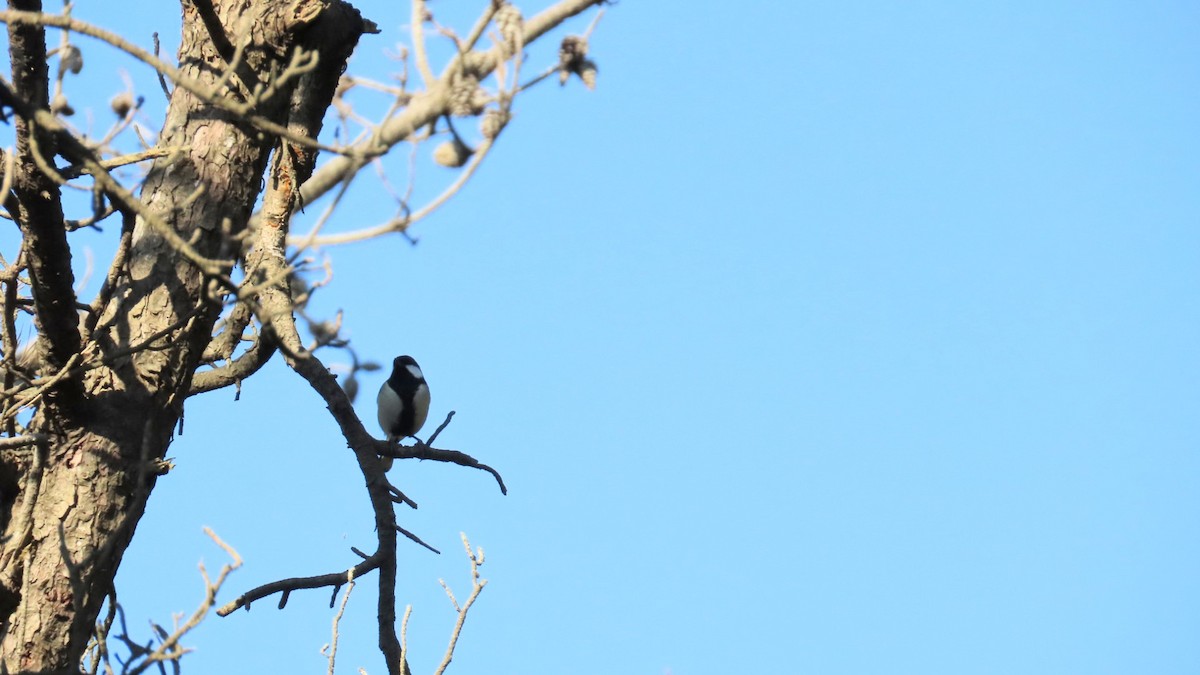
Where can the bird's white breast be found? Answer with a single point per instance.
(420, 404)
(390, 406)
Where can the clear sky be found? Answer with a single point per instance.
(820, 338)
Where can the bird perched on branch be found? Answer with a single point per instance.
(403, 401)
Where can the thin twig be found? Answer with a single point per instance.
(162, 80)
(76, 151)
(419, 11)
(425, 107)
(404, 637)
(404, 222)
(205, 93)
(169, 649)
(75, 171)
(416, 539)
(333, 644)
(477, 585)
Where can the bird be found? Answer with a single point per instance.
(403, 400)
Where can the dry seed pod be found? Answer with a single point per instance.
(70, 59)
(572, 57)
(453, 153)
(300, 291)
(121, 104)
(492, 123)
(60, 106)
(512, 28)
(587, 73)
(350, 386)
(572, 50)
(467, 98)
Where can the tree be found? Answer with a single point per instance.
(203, 289)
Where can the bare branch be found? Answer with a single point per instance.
(38, 203)
(22, 518)
(476, 31)
(116, 162)
(416, 540)
(427, 106)
(209, 95)
(236, 371)
(225, 343)
(10, 275)
(333, 642)
(402, 223)
(404, 636)
(169, 648)
(43, 386)
(417, 25)
(422, 451)
(74, 150)
(115, 270)
(477, 585)
(300, 583)
(22, 441)
(162, 81)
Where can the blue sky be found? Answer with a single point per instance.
(831, 339)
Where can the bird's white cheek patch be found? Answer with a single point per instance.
(415, 371)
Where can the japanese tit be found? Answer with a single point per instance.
(403, 400)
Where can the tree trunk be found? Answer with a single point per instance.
(72, 503)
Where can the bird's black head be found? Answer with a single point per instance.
(405, 369)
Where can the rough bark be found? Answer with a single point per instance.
(83, 492)
(37, 202)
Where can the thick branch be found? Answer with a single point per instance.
(224, 344)
(40, 213)
(236, 371)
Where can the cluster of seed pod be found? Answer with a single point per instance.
(573, 60)
(70, 60)
(467, 98)
(511, 25)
